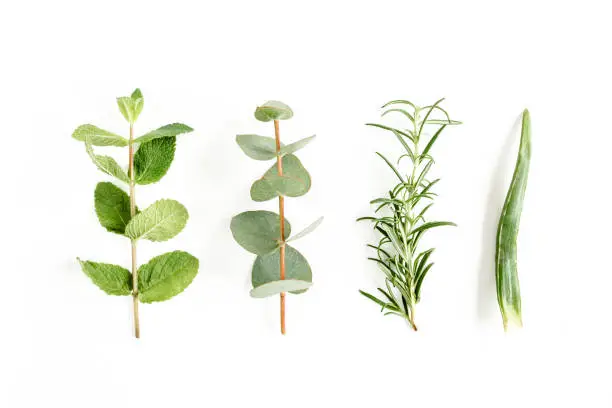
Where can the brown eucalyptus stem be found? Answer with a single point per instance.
(133, 242)
(281, 211)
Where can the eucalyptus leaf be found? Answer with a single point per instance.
(257, 147)
(171, 130)
(153, 159)
(266, 268)
(112, 207)
(165, 276)
(98, 137)
(112, 279)
(295, 146)
(258, 231)
(163, 220)
(307, 230)
(273, 110)
(107, 164)
(280, 286)
(294, 182)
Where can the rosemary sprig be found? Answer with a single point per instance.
(404, 223)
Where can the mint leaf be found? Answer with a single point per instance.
(112, 207)
(98, 137)
(294, 182)
(112, 279)
(161, 221)
(257, 147)
(173, 129)
(267, 267)
(153, 159)
(138, 102)
(258, 231)
(166, 276)
(107, 164)
(280, 286)
(273, 110)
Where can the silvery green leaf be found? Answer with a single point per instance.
(98, 137)
(266, 268)
(273, 110)
(294, 147)
(171, 130)
(107, 164)
(153, 159)
(127, 107)
(294, 182)
(307, 230)
(165, 276)
(112, 207)
(257, 147)
(280, 286)
(161, 221)
(112, 279)
(258, 231)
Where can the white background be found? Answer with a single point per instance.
(65, 343)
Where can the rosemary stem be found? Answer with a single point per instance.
(281, 211)
(133, 242)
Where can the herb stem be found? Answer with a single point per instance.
(281, 211)
(133, 242)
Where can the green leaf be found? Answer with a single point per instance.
(127, 107)
(163, 220)
(112, 207)
(153, 159)
(294, 182)
(98, 137)
(138, 102)
(257, 147)
(107, 164)
(112, 279)
(165, 276)
(273, 110)
(280, 286)
(294, 147)
(429, 225)
(397, 173)
(258, 231)
(307, 230)
(266, 268)
(171, 130)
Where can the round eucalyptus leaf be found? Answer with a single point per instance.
(294, 182)
(257, 147)
(273, 110)
(276, 287)
(266, 268)
(258, 231)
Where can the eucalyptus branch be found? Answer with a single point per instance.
(404, 221)
(278, 268)
(149, 158)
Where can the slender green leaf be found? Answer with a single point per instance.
(295, 146)
(165, 276)
(307, 230)
(153, 159)
(112, 279)
(402, 111)
(432, 140)
(161, 221)
(171, 130)
(258, 231)
(397, 173)
(434, 224)
(98, 137)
